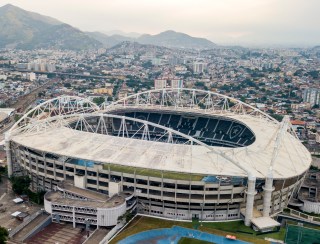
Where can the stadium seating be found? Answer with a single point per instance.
(164, 119)
(213, 131)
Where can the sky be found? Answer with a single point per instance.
(232, 22)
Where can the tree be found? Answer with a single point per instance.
(314, 74)
(20, 184)
(313, 130)
(41, 94)
(3, 171)
(264, 99)
(3, 235)
(17, 117)
(225, 88)
(127, 216)
(242, 99)
(248, 83)
(99, 100)
(287, 80)
(147, 65)
(277, 117)
(36, 197)
(199, 84)
(67, 85)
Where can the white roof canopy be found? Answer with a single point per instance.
(292, 159)
(47, 128)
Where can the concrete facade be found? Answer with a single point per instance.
(170, 198)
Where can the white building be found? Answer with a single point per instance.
(176, 83)
(312, 96)
(199, 67)
(3, 77)
(39, 65)
(31, 76)
(68, 203)
(157, 61)
(308, 199)
(164, 83)
(159, 84)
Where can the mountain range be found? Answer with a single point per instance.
(122, 33)
(27, 30)
(168, 38)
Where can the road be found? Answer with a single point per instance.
(75, 75)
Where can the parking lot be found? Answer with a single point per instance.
(7, 206)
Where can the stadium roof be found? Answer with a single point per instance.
(292, 157)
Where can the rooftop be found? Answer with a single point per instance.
(292, 159)
(310, 188)
(264, 223)
(58, 198)
(96, 196)
(297, 122)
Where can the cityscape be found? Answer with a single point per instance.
(169, 137)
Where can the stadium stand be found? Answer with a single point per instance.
(213, 131)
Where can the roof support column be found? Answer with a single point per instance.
(8, 154)
(74, 217)
(268, 189)
(251, 192)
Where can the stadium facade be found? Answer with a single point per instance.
(179, 154)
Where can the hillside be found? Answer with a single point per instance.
(28, 30)
(170, 39)
(176, 40)
(109, 41)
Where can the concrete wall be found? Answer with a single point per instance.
(47, 206)
(180, 214)
(47, 172)
(109, 216)
(79, 181)
(311, 207)
(38, 228)
(114, 188)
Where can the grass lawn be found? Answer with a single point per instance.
(141, 223)
(238, 228)
(186, 240)
(277, 235)
(153, 173)
(232, 226)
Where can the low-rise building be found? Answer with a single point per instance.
(69, 203)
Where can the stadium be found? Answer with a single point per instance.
(174, 153)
